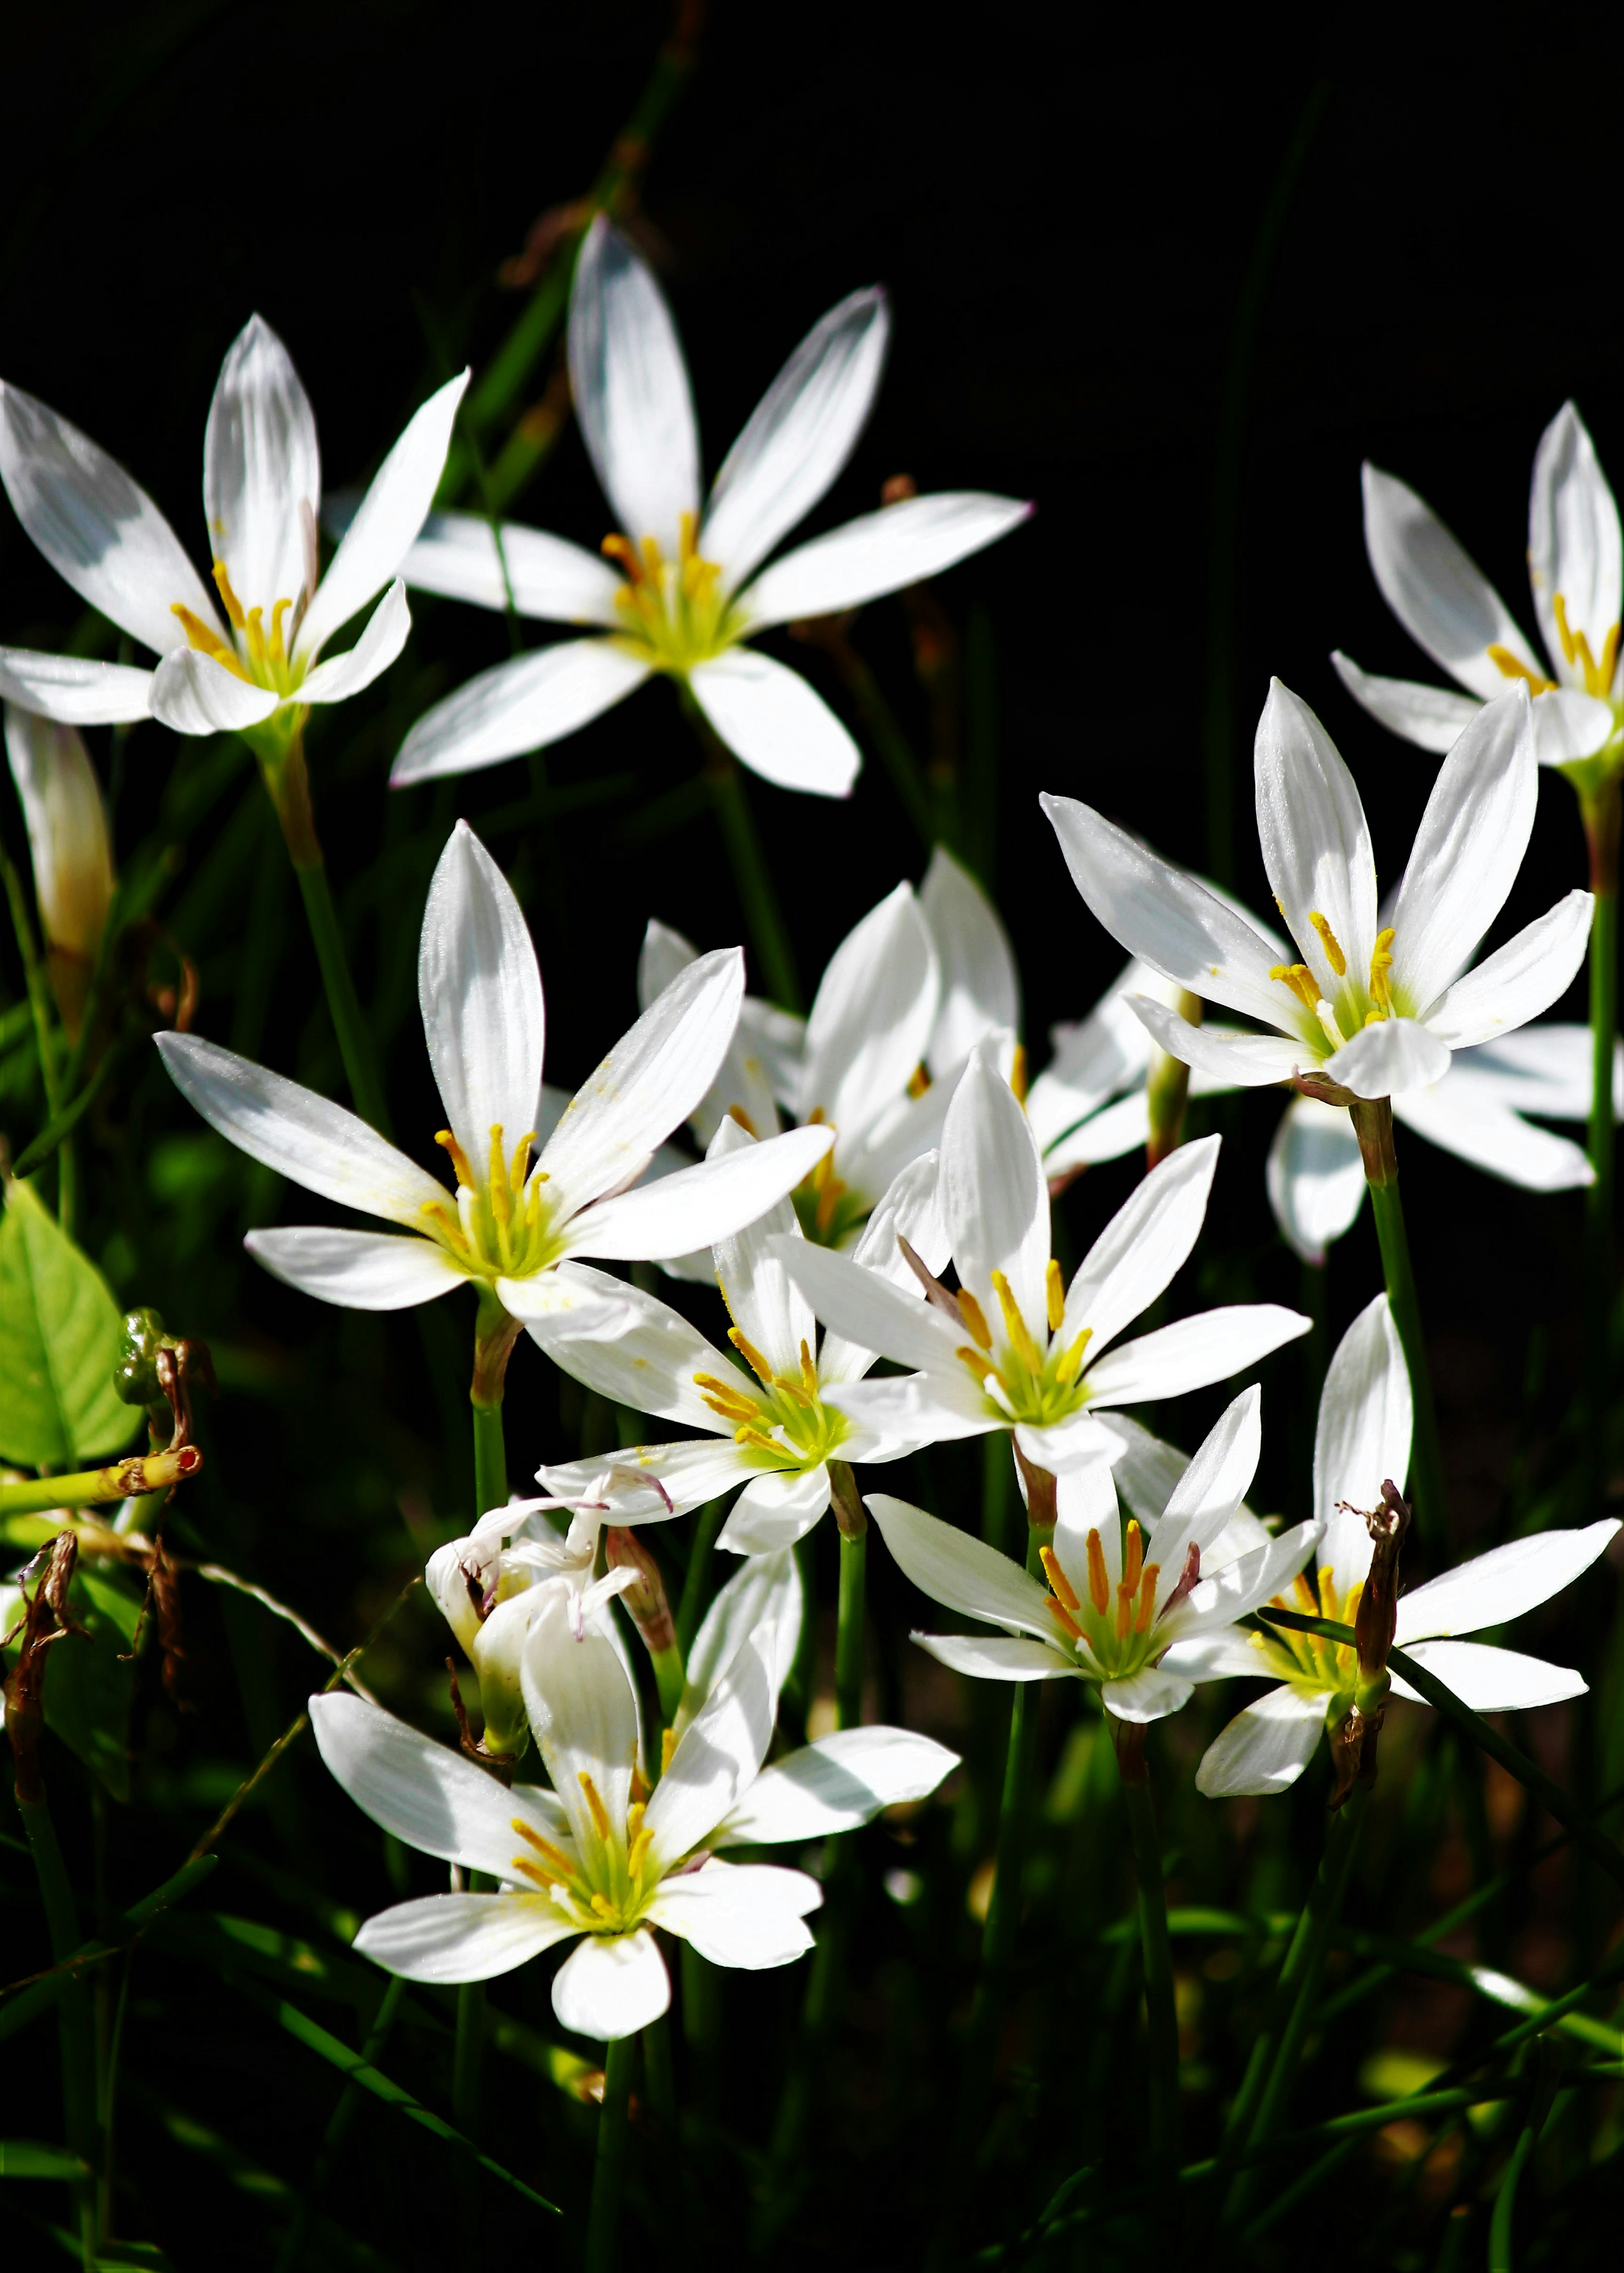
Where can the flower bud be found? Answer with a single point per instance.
(69, 845)
(644, 1598)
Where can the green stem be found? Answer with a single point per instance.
(354, 1039)
(490, 1458)
(770, 939)
(608, 2173)
(143, 1474)
(849, 1631)
(691, 1608)
(670, 1676)
(1161, 2005)
(1373, 1123)
(75, 2022)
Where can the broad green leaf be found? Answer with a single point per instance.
(58, 1345)
(26, 2158)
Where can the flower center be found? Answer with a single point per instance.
(606, 1885)
(1355, 1005)
(785, 1422)
(1308, 1662)
(259, 658)
(502, 1229)
(1596, 671)
(672, 612)
(1024, 1379)
(826, 1208)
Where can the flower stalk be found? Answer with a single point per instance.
(1373, 1123)
(608, 2172)
(131, 1479)
(1161, 2004)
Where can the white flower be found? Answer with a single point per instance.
(1362, 1441)
(1375, 1011)
(510, 1228)
(1448, 607)
(980, 998)
(68, 847)
(599, 1860)
(1127, 1607)
(1016, 1349)
(773, 1426)
(261, 495)
(687, 587)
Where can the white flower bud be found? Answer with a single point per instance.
(68, 843)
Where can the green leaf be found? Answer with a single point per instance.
(26, 2158)
(60, 1344)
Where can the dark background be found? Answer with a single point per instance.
(1173, 278)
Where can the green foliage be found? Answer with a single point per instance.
(59, 1344)
(90, 1676)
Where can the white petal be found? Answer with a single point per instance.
(357, 1269)
(1315, 842)
(191, 694)
(579, 1700)
(1225, 1654)
(1568, 724)
(1094, 1058)
(1315, 1174)
(301, 1136)
(871, 1017)
(1166, 917)
(699, 1206)
(868, 1309)
(835, 1784)
(749, 1915)
(631, 390)
(1467, 852)
(905, 1412)
(1362, 1439)
(261, 465)
(1574, 545)
(770, 717)
(1265, 1749)
(960, 1571)
(1491, 1680)
(1518, 980)
(715, 1758)
(1430, 717)
(520, 705)
(910, 1208)
(762, 1301)
(1176, 1359)
(980, 986)
(380, 642)
(998, 1657)
(1436, 590)
(1219, 1477)
(1546, 1070)
(1065, 1446)
(421, 1792)
(99, 530)
(463, 1936)
(479, 990)
(1393, 1056)
(457, 556)
(1146, 1243)
(612, 1986)
(386, 520)
(65, 817)
(994, 1196)
(1466, 1119)
(73, 689)
(881, 553)
(775, 1510)
(649, 1363)
(1235, 1590)
(761, 1603)
(646, 1086)
(1502, 1585)
(689, 1472)
(1107, 1134)
(1226, 1058)
(569, 1301)
(798, 436)
(1151, 1694)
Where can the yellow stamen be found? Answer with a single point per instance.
(974, 1318)
(808, 1372)
(1015, 1326)
(1301, 980)
(653, 559)
(751, 1355)
(208, 641)
(459, 1158)
(1509, 667)
(1609, 663)
(616, 547)
(1065, 1619)
(544, 1848)
(1381, 964)
(600, 1814)
(253, 633)
(521, 1159)
(641, 1785)
(1558, 608)
(919, 1082)
(1072, 1364)
(1017, 1073)
(1328, 1595)
(982, 1368)
(1054, 1288)
(1147, 1597)
(737, 1112)
(635, 1814)
(1307, 1595)
(668, 1745)
(501, 1194)
(754, 1435)
(229, 600)
(687, 535)
(637, 1851)
(1125, 1610)
(1099, 1584)
(602, 1904)
(1334, 954)
(723, 1397)
(278, 651)
(1057, 1578)
(1133, 1557)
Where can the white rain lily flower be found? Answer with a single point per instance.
(1015, 1348)
(512, 1229)
(261, 497)
(1375, 1012)
(1448, 607)
(69, 849)
(1363, 1440)
(682, 587)
(1127, 1609)
(774, 1428)
(980, 998)
(599, 1859)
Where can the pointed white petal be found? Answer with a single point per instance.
(1223, 1655)
(1546, 1069)
(386, 520)
(994, 1196)
(1502, 1585)
(1568, 724)
(715, 1758)
(1065, 1446)
(357, 1269)
(569, 1303)
(68, 843)
(191, 694)
(1518, 980)
(1315, 1174)
(980, 986)
(689, 1472)
(301, 1136)
(1224, 1056)
(631, 390)
(1236, 1589)
(998, 1657)
(649, 1363)
(1219, 1477)
(761, 1603)
(458, 556)
(479, 990)
(871, 1017)
(902, 1412)
(697, 1207)
(1211, 1347)
(463, 1936)
(1393, 1056)
(868, 1309)
(910, 1209)
(1146, 1243)
(1362, 1439)
(382, 640)
(421, 1792)
(959, 1571)
(73, 689)
(1430, 717)
(261, 465)
(1467, 1119)
(520, 705)
(762, 1301)
(580, 1704)
(1491, 1680)
(748, 1915)
(1265, 1749)
(1315, 843)
(1436, 590)
(1574, 545)
(612, 1986)
(99, 529)
(775, 1510)
(798, 436)
(770, 718)
(1151, 1694)
(881, 553)
(835, 1784)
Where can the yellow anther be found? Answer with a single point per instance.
(600, 1814)
(1328, 1605)
(751, 1355)
(687, 535)
(459, 1158)
(1057, 1580)
(1125, 1610)
(635, 1814)
(1099, 1584)
(208, 641)
(253, 633)
(636, 1853)
(1017, 1073)
(982, 1368)
(278, 651)
(653, 560)
(1558, 608)
(641, 1785)
(737, 1112)
(521, 1160)
(829, 1189)
(1609, 664)
(229, 600)
(1015, 1326)
(808, 1371)
(602, 1904)
(975, 1319)
(726, 1398)
(668, 1745)
(1301, 980)
(1133, 1556)
(1381, 964)
(1328, 940)
(1307, 1595)
(1509, 667)
(544, 1848)
(616, 547)
(1054, 1288)
(754, 1435)
(919, 1082)
(1148, 1576)
(1072, 1364)
(1064, 1616)
(501, 1195)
